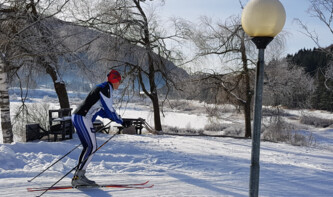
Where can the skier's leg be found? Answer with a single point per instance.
(88, 140)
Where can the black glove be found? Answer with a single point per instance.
(126, 123)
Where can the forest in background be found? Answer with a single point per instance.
(315, 64)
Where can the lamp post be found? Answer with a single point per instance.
(262, 20)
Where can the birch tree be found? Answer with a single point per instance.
(6, 126)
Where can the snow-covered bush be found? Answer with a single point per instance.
(182, 131)
(315, 121)
(219, 110)
(215, 127)
(276, 129)
(182, 105)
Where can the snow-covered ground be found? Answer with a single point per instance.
(176, 165)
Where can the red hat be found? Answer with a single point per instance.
(114, 76)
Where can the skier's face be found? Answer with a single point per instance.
(116, 85)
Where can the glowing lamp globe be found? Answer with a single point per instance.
(263, 18)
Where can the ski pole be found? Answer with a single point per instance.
(65, 155)
(77, 165)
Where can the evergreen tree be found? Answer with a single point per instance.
(315, 62)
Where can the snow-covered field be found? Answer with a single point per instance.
(176, 165)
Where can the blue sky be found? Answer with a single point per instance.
(222, 9)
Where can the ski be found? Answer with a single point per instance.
(130, 186)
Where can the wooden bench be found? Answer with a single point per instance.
(137, 123)
(61, 124)
(99, 126)
(33, 131)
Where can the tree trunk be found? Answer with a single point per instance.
(247, 116)
(157, 116)
(6, 126)
(154, 95)
(61, 91)
(247, 104)
(248, 91)
(59, 87)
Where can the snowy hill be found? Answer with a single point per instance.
(83, 65)
(176, 165)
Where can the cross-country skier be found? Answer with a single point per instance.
(97, 103)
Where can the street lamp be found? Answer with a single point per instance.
(262, 20)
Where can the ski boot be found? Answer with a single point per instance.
(80, 179)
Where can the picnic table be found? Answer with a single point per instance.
(136, 122)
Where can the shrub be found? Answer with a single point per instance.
(278, 130)
(215, 127)
(182, 131)
(315, 121)
(182, 105)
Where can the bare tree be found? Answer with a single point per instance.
(29, 40)
(229, 41)
(33, 36)
(323, 11)
(136, 43)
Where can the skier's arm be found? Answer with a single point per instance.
(110, 112)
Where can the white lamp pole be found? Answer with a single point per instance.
(262, 20)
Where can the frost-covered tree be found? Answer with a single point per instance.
(136, 43)
(27, 41)
(287, 85)
(228, 41)
(329, 76)
(31, 41)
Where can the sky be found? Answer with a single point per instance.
(222, 9)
